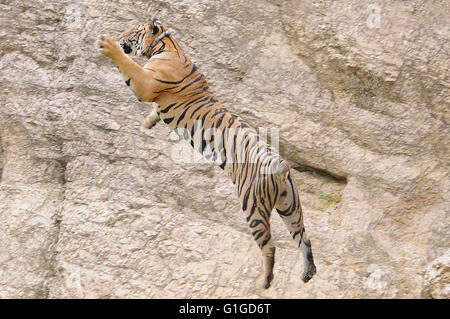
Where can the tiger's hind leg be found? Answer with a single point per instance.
(258, 218)
(261, 234)
(289, 208)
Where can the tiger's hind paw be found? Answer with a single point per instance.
(267, 281)
(309, 274)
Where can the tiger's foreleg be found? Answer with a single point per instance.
(136, 77)
(289, 208)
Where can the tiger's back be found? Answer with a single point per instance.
(188, 107)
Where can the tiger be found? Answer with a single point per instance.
(184, 101)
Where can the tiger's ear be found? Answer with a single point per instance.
(155, 24)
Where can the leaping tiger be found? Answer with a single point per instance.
(186, 104)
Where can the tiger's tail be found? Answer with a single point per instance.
(282, 170)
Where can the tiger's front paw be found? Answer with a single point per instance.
(110, 47)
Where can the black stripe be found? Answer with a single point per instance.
(167, 89)
(182, 116)
(190, 102)
(255, 223)
(222, 166)
(194, 68)
(168, 108)
(188, 85)
(285, 212)
(199, 107)
(266, 240)
(259, 235)
(170, 39)
(231, 120)
(199, 99)
(220, 120)
(245, 200)
(168, 120)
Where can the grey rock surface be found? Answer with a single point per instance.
(93, 205)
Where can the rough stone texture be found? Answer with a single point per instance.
(437, 277)
(93, 205)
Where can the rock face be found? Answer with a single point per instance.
(93, 205)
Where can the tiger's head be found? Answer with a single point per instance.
(138, 40)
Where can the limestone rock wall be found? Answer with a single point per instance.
(92, 205)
